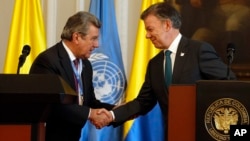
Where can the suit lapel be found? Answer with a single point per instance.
(83, 74)
(180, 59)
(66, 65)
(87, 81)
(161, 69)
(158, 72)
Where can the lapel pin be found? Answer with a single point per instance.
(182, 54)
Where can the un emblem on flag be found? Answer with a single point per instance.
(108, 79)
(221, 114)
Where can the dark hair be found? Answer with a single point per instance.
(79, 22)
(163, 11)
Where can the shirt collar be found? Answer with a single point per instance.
(174, 45)
(71, 55)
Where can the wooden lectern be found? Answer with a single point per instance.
(182, 109)
(206, 110)
(25, 102)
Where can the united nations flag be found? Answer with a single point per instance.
(108, 71)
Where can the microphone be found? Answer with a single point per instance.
(230, 52)
(22, 57)
(230, 57)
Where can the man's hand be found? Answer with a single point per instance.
(100, 117)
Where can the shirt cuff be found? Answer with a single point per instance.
(89, 112)
(113, 115)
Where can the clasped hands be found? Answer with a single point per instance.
(100, 117)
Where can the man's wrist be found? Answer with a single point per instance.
(89, 112)
(113, 115)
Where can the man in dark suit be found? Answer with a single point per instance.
(190, 61)
(79, 38)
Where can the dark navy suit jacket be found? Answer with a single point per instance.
(199, 62)
(66, 121)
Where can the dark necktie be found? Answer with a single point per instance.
(168, 68)
(76, 62)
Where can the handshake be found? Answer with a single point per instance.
(100, 117)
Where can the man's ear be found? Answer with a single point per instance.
(75, 37)
(167, 24)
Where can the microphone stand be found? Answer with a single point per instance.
(230, 56)
(18, 70)
(229, 67)
(20, 63)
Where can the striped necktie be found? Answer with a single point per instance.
(80, 97)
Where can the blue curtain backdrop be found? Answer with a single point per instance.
(108, 71)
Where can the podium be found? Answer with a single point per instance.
(25, 103)
(206, 110)
(181, 113)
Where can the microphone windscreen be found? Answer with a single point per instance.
(26, 50)
(231, 47)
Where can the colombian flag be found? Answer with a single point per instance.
(148, 127)
(27, 28)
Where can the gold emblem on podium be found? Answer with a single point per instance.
(221, 114)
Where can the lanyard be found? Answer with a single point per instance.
(77, 75)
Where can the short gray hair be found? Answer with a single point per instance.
(79, 22)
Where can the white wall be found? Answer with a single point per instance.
(56, 12)
(6, 7)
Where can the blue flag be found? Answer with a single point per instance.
(108, 71)
(149, 127)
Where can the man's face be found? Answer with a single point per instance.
(86, 44)
(156, 31)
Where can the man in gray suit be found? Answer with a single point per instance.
(190, 61)
(69, 59)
